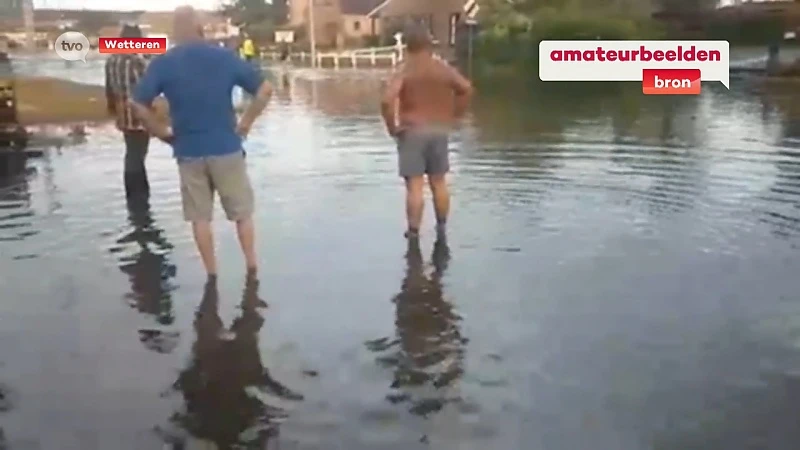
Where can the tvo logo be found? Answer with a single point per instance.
(72, 46)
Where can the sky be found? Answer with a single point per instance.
(150, 5)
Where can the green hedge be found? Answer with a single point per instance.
(585, 28)
(503, 45)
(746, 32)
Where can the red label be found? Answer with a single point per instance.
(671, 81)
(118, 45)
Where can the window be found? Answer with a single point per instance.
(357, 25)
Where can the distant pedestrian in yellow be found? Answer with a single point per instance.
(248, 49)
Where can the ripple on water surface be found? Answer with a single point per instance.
(619, 275)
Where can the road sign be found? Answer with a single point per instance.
(471, 9)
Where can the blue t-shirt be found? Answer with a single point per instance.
(198, 79)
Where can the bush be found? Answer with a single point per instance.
(746, 32)
(503, 45)
(559, 27)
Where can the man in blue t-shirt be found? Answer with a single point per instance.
(197, 79)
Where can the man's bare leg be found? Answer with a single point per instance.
(204, 238)
(415, 203)
(441, 200)
(245, 230)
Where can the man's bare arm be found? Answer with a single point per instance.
(255, 108)
(389, 104)
(151, 122)
(464, 92)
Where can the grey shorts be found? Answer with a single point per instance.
(422, 152)
(225, 175)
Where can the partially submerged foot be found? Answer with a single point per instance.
(252, 273)
(412, 233)
(441, 230)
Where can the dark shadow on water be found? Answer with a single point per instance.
(427, 353)
(151, 275)
(226, 385)
(5, 406)
(149, 270)
(16, 215)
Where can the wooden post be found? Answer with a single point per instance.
(373, 57)
(312, 32)
(353, 60)
(335, 61)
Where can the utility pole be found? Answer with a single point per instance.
(312, 33)
(30, 31)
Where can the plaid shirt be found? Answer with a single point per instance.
(122, 74)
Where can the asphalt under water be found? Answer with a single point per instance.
(620, 273)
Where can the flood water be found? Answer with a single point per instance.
(621, 273)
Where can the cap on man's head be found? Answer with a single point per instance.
(417, 39)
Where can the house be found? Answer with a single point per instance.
(441, 17)
(339, 22)
(357, 19)
(327, 20)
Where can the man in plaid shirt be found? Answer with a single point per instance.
(122, 74)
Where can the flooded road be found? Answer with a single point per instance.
(621, 273)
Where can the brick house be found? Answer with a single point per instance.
(327, 20)
(338, 22)
(357, 19)
(440, 16)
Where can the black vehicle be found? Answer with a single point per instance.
(12, 133)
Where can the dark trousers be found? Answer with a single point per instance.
(136, 144)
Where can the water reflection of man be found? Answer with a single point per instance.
(224, 371)
(430, 96)
(428, 352)
(122, 74)
(149, 270)
(4, 406)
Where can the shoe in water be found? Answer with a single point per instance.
(441, 230)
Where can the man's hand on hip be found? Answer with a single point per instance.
(165, 135)
(243, 128)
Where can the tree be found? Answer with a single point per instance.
(250, 12)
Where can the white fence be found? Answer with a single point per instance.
(366, 57)
(357, 58)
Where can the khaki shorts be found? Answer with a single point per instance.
(226, 175)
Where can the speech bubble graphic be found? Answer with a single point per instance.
(627, 60)
(72, 46)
